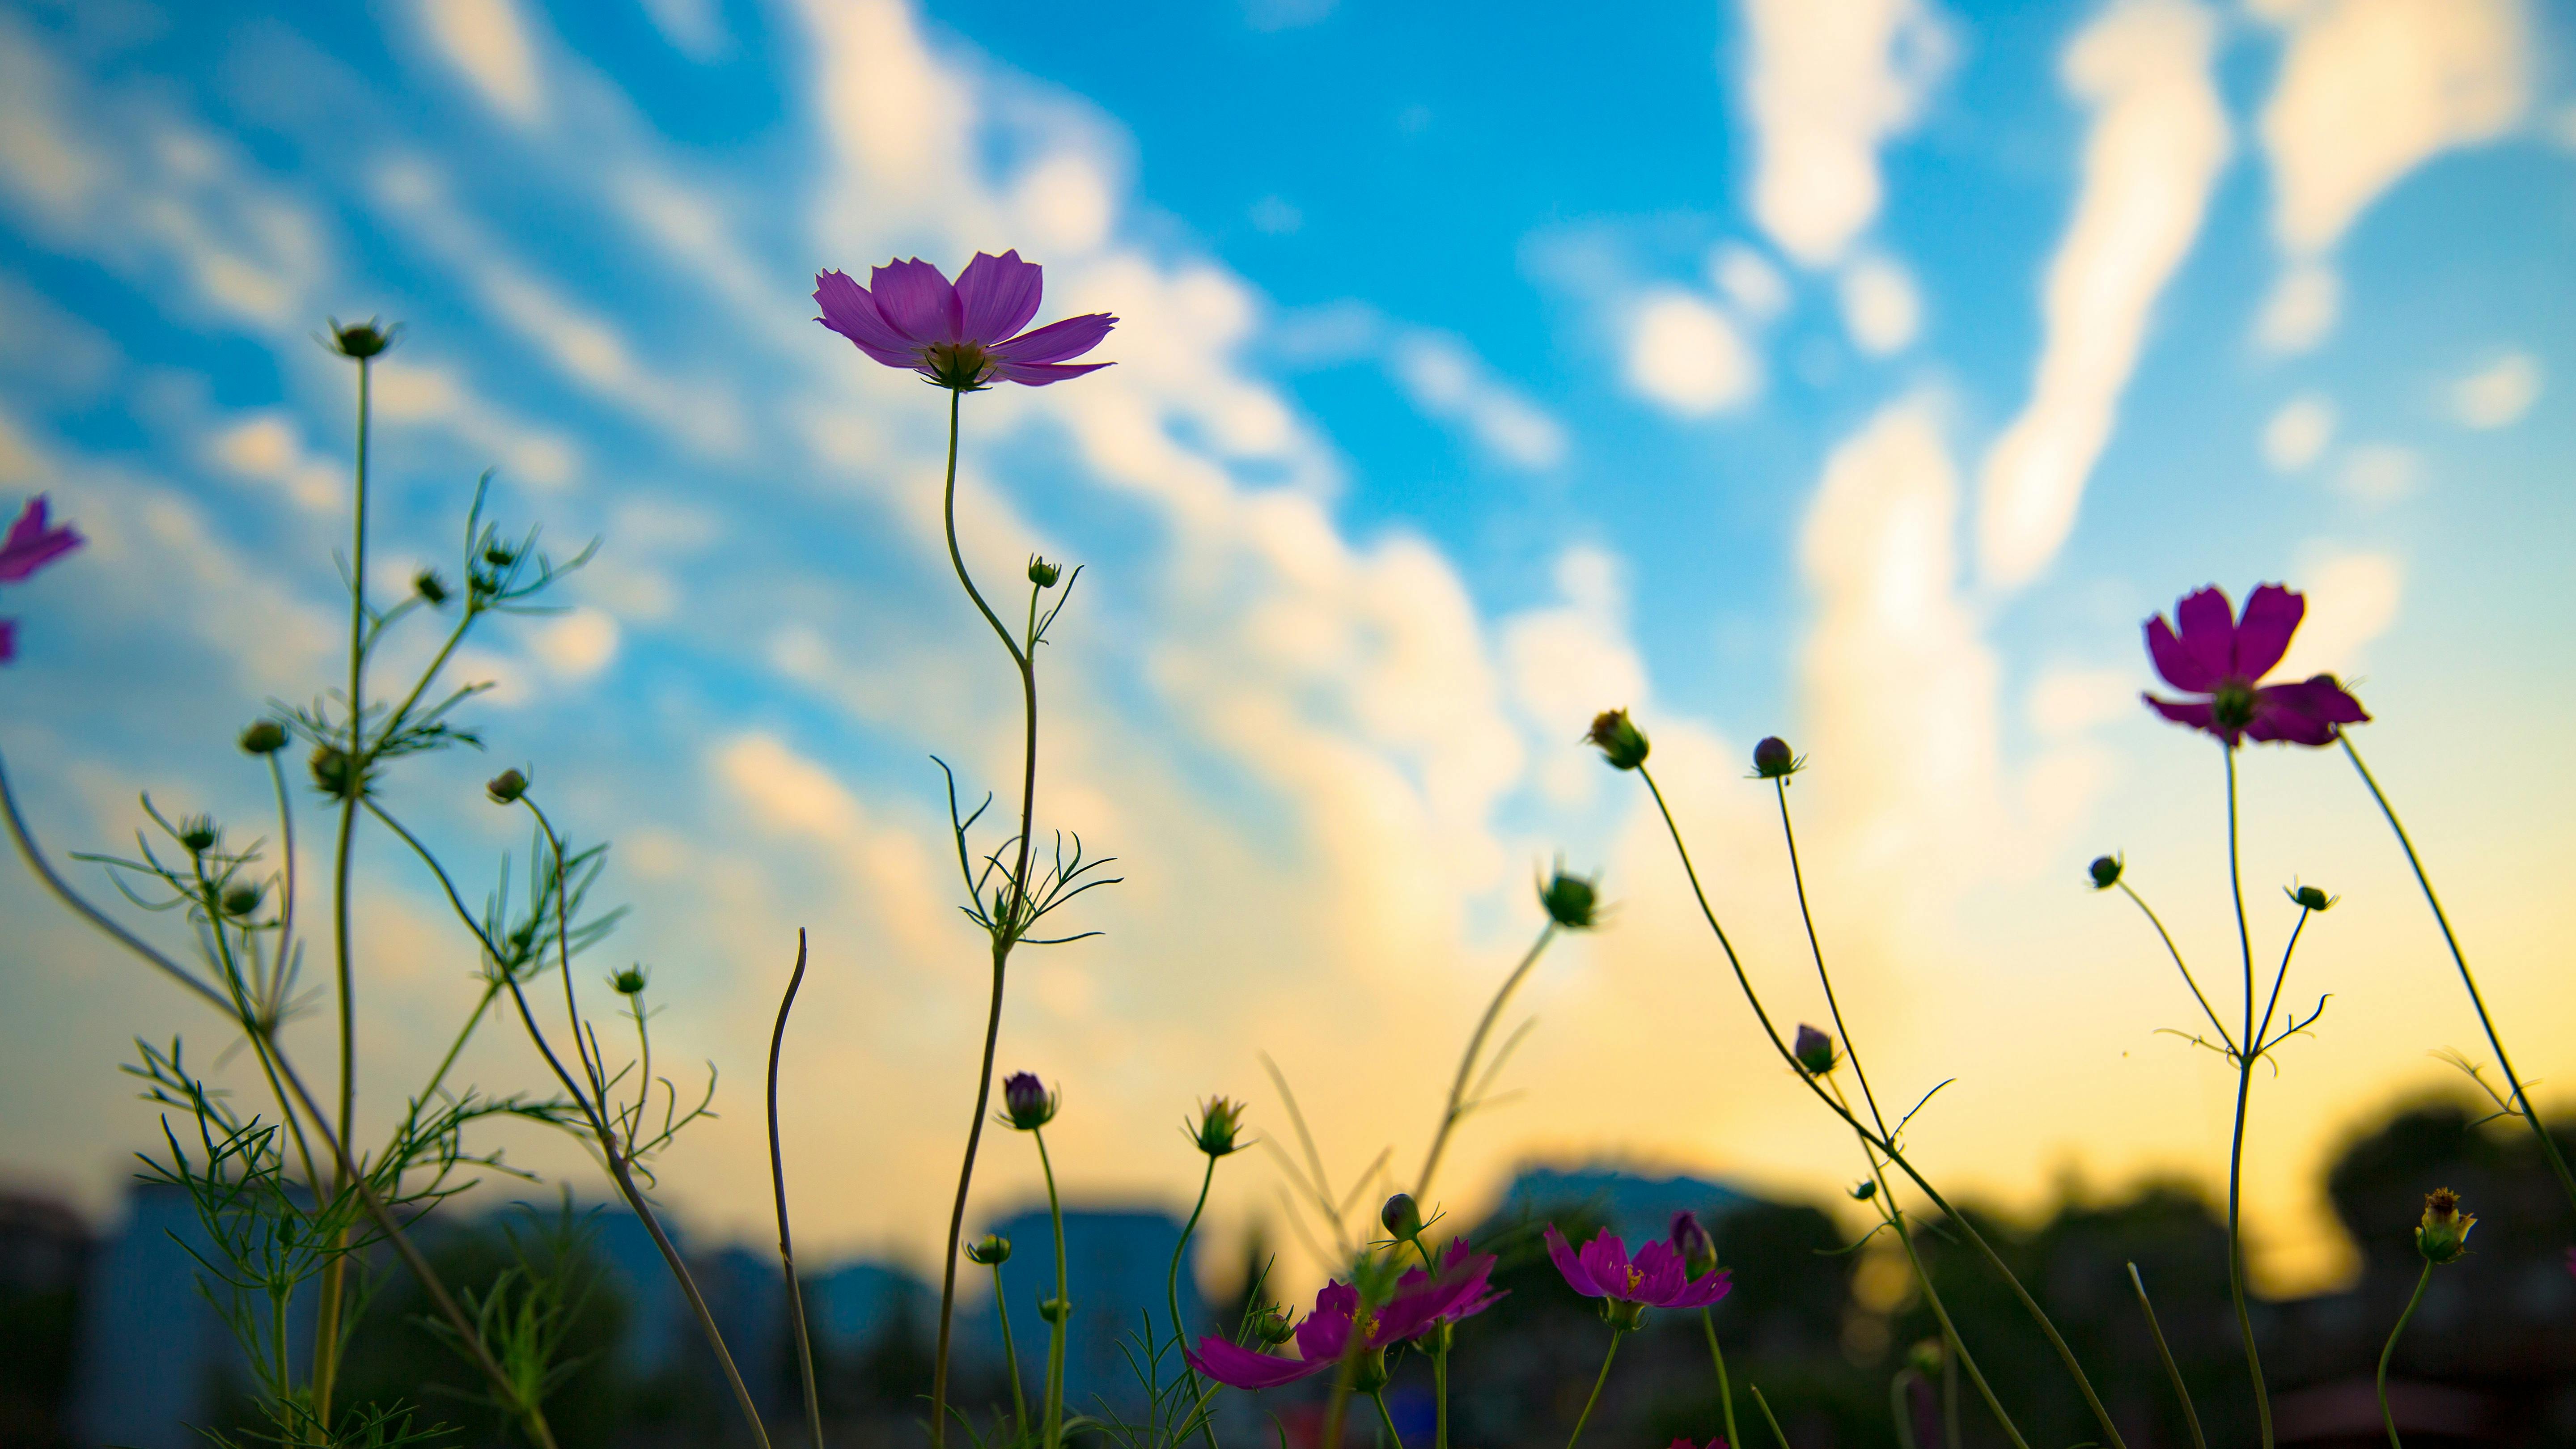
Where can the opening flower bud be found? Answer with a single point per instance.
(1042, 573)
(1814, 1051)
(506, 787)
(2311, 899)
(629, 982)
(199, 834)
(2443, 1235)
(1698, 1249)
(361, 340)
(1274, 1327)
(430, 587)
(1570, 900)
(1220, 1119)
(990, 1250)
(241, 900)
(264, 737)
(1402, 1218)
(1774, 760)
(1026, 1103)
(2105, 871)
(1618, 738)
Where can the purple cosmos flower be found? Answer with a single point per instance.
(1684, 1443)
(1422, 1302)
(2224, 655)
(29, 545)
(965, 336)
(1697, 1249)
(1655, 1278)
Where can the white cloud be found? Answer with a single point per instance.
(2300, 310)
(1685, 355)
(1755, 287)
(2379, 474)
(2158, 138)
(1881, 309)
(1448, 381)
(487, 42)
(694, 28)
(577, 645)
(2299, 432)
(2497, 395)
(1827, 85)
(268, 448)
(2353, 597)
(1568, 662)
(2068, 700)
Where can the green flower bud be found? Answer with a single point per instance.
(1774, 760)
(1864, 1190)
(500, 556)
(1054, 1310)
(506, 787)
(1042, 573)
(361, 340)
(629, 982)
(198, 833)
(2105, 870)
(2312, 899)
(1274, 1327)
(991, 1250)
(336, 774)
(1570, 900)
(1220, 1119)
(1618, 738)
(264, 737)
(430, 587)
(1403, 1220)
(1925, 1356)
(241, 900)
(2443, 1235)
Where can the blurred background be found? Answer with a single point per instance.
(1860, 372)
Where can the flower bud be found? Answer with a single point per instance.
(629, 982)
(1698, 1249)
(1220, 1119)
(430, 587)
(1570, 900)
(1403, 1220)
(2311, 899)
(264, 737)
(506, 787)
(2105, 870)
(1864, 1190)
(500, 556)
(241, 900)
(1814, 1050)
(198, 833)
(1925, 1356)
(1054, 1310)
(2444, 1233)
(990, 1250)
(1274, 1327)
(1774, 760)
(1618, 738)
(361, 340)
(335, 772)
(1042, 573)
(1026, 1103)
(1370, 1373)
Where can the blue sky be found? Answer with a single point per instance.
(1860, 372)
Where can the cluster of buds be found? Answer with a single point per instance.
(1027, 1105)
(2443, 1234)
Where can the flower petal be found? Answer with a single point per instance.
(1605, 1258)
(1660, 1274)
(996, 296)
(1324, 1333)
(916, 300)
(2272, 615)
(8, 640)
(1577, 1276)
(2309, 712)
(850, 311)
(1057, 341)
(1705, 1290)
(30, 544)
(2193, 712)
(1039, 374)
(1238, 1367)
(2178, 667)
(2206, 642)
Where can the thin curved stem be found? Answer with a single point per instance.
(1798, 877)
(778, 1189)
(2272, 1002)
(2187, 979)
(2236, 1148)
(1172, 1294)
(1768, 1417)
(1725, 1391)
(1475, 1048)
(1598, 1380)
(2521, 1100)
(1060, 1316)
(2039, 1316)
(2390, 1348)
(2164, 1351)
(1378, 1396)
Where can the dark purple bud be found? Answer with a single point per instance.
(1026, 1103)
(1402, 1218)
(1773, 759)
(1698, 1249)
(2105, 870)
(1814, 1050)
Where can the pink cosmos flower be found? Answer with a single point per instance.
(965, 336)
(1655, 1278)
(1421, 1303)
(2224, 656)
(1684, 1443)
(29, 545)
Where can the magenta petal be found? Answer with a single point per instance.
(1057, 341)
(1039, 374)
(1605, 1258)
(1705, 1291)
(849, 310)
(996, 296)
(30, 544)
(2194, 712)
(2208, 628)
(8, 640)
(1577, 1276)
(1659, 1274)
(916, 300)
(2309, 712)
(1325, 1331)
(1238, 1367)
(2177, 665)
(2263, 635)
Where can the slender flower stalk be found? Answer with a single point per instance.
(1059, 1309)
(1392, 1437)
(2386, 1416)
(2245, 1058)
(2164, 1352)
(2519, 1103)
(778, 1185)
(1172, 1293)
(1616, 1333)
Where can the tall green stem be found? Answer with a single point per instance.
(1011, 1353)
(778, 1185)
(2386, 1417)
(1172, 1295)
(2520, 1100)
(2164, 1351)
(1725, 1390)
(2246, 1056)
(1388, 1419)
(1597, 1381)
(1060, 1313)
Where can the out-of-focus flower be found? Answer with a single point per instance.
(1697, 1248)
(362, 340)
(1570, 900)
(990, 1249)
(1026, 1102)
(506, 787)
(1421, 1303)
(2222, 655)
(2312, 899)
(1654, 1278)
(2105, 871)
(30, 544)
(964, 336)
(263, 737)
(1814, 1050)
(1220, 1119)
(2443, 1235)
(1774, 760)
(630, 982)
(1618, 738)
